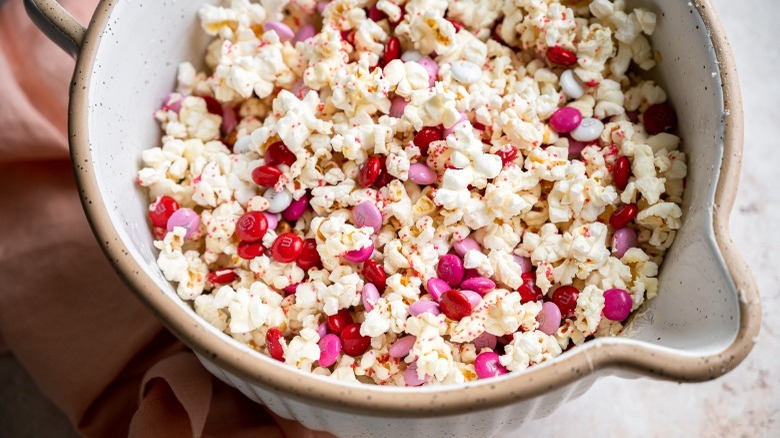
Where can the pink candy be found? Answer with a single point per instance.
(185, 218)
(304, 33)
(480, 285)
(282, 30)
(487, 365)
(330, 347)
(272, 219)
(370, 296)
(321, 6)
(397, 106)
(322, 329)
(299, 90)
(623, 240)
(366, 214)
(473, 297)
(359, 255)
(229, 120)
(485, 340)
(549, 318)
(463, 246)
(296, 209)
(424, 306)
(173, 102)
(431, 67)
(451, 129)
(566, 119)
(436, 287)
(421, 174)
(402, 347)
(410, 376)
(524, 263)
(617, 304)
(450, 269)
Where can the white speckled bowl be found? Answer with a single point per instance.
(701, 325)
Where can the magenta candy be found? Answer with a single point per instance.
(281, 29)
(471, 273)
(623, 240)
(424, 306)
(473, 297)
(524, 263)
(465, 245)
(185, 218)
(229, 120)
(296, 209)
(173, 102)
(370, 296)
(402, 347)
(421, 174)
(485, 340)
(487, 365)
(410, 376)
(397, 106)
(451, 129)
(304, 33)
(566, 119)
(291, 288)
(480, 285)
(436, 287)
(549, 318)
(431, 67)
(321, 6)
(330, 347)
(450, 269)
(322, 329)
(366, 214)
(359, 255)
(617, 304)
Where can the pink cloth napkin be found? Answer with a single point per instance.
(91, 347)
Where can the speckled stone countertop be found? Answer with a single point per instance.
(745, 402)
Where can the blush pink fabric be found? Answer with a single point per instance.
(91, 347)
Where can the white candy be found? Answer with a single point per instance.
(571, 85)
(278, 201)
(466, 72)
(589, 130)
(243, 145)
(411, 56)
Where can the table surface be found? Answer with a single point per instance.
(745, 402)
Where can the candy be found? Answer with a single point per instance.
(487, 365)
(287, 248)
(566, 119)
(431, 67)
(588, 130)
(436, 287)
(397, 106)
(369, 171)
(185, 218)
(369, 296)
(659, 117)
(359, 255)
(571, 85)
(278, 201)
(250, 250)
(450, 269)
(161, 210)
(451, 129)
(366, 214)
(272, 219)
(296, 209)
(427, 135)
(411, 56)
(463, 246)
(423, 306)
(402, 347)
(466, 72)
(330, 348)
(410, 376)
(309, 257)
(304, 33)
(278, 153)
(455, 305)
(565, 297)
(421, 174)
(374, 273)
(617, 304)
(337, 322)
(485, 340)
(273, 343)
(561, 56)
(281, 29)
(392, 50)
(479, 285)
(621, 172)
(221, 277)
(473, 297)
(251, 226)
(623, 240)
(623, 215)
(352, 342)
(549, 318)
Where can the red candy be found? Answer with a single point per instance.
(309, 257)
(375, 14)
(272, 337)
(384, 178)
(221, 277)
(161, 211)
(565, 297)
(252, 226)
(659, 118)
(337, 323)
(374, 273)
(623, 215)
(212, 105)
(287, 248)
(455, 305)
(529, 291)
(278, 153)
(560, 56)
(392, 50)
(369, 171)
(250, 250)
(352, 342)
(621, 172)
(427, 135)
(266, 176)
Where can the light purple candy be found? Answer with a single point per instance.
(229, 120)
(369, 295)
(402, 347)
(431, 67)
(436, 287)
(617, 304)
(330, 347)
(173, 102)
(424, 306)
(524, 263)
(485, 340)
(450, 269)
(272, 219)
(359, 255)
(575, 148)
(451, 129)
(296, 209)
(480, 285)
(304, 33)
(411, 378)
(281, 29)
(487, 365)
(321, 6)
(366, 214)
(565, 119)
(473, 297)
(397, 106)
(549, 318)
(421, 174)
(463, 246)
(322, 329)
(299, 90)
(623, 240)
(185, 218)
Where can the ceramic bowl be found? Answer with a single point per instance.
(702, 324)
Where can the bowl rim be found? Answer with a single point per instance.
(637, 357)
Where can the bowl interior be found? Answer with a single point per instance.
(696, 310)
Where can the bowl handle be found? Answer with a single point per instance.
(57, 24)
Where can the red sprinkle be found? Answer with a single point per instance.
(392, 50)
(352, 342)
(272, 337)
(623, 215)
(427, 135)
(252, 226)
(266, 176)
(250, 250)
(287, 248)
(337, 323)
(161, 210)
(455, 305)
(278, 153)
(565, 297)
(621, 172)
(560, 56)
(659, 118)
(369, 171)
(374, 273)
(309, 258)
(507, 155)
(221, 277)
